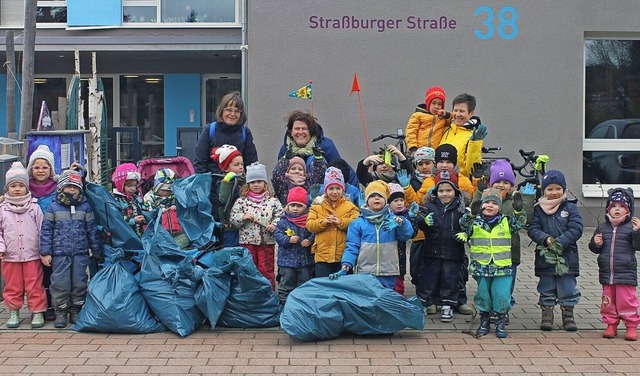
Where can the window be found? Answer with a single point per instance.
(142, 106)
(180, 11)
(49, 89)
(611, 147)
(51, 11)
(215, 87)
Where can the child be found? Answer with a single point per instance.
(489, 233)
(231, 163)
(20, 221)
(161, 197)
(256, 214)
(556, 227)
(290, 173)
(351, 191)
(375, 167)
(125, 191)
(442, 254)
(615, 242)
(397, 206)
(329, 218)
(68, 233)
(295, 261)
(427, 124)
(465, 133)
(372, 246)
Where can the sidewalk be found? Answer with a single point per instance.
(440, 349)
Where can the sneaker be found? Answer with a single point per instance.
(430, 310)
(447, 314)
(14, 319)
(37, 321)
(464, 309)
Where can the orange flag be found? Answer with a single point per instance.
(355, 86)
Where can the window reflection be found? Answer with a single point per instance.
(48, 90)
(198, 11)
(142, 106)
(51, 15)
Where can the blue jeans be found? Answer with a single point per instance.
(493, 294)
(558, 289)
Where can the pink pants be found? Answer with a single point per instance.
(619, 302)
(264, 258)
(399, 287)
(21, 277)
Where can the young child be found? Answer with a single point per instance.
(372, 239)
(351, 191)
(68, 233)
(125, 191)
(489, 234)
(231, 163)
(20, 221)
(375, 167)
(428, 122)
(256, 214)
(290, 173)
(615, 241)
(295, 261)
(161, 196)
(397, 206)
(556, 227)
(329, 218)
(442, 254)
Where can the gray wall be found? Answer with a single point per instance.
(530, 89)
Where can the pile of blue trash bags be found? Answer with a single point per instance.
(150, 284)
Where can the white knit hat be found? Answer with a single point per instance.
(42, 152)
(17, 173)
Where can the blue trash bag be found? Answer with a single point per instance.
(114, 303)
(322, 309)
(212, 294)
(194, 208)
(169, 280)
(251, 302)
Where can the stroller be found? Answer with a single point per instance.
(147, 168)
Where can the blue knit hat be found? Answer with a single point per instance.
(554, 177)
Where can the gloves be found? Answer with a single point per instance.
(540, 161)
(528, 189)
(413, 210)
(460, 237)
(403, 178)
(318, 153)
(476, 208)
(336, 275)
(517, 203)
(314, 191)
(429, 219)
(229, 176)
(478, 170)
(482, 184)
(390, 222)
(479, 133)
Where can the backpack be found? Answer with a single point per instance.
(212, 131)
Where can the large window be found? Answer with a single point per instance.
(611, 153)
(142, 106)
(51, 11)
(179, 11)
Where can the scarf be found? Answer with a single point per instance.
(256, 197)
(68, 199)
(306, 150)
(387, 177)
(615, 222)
(295, 180)
(550, 207)
(374, 217)
(420, 176)
(41, 190)
(18, 204)
(298, 220)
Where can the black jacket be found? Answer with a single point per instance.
(439, 241)
(225, 134)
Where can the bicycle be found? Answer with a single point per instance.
(401, 143)
(487, 161)
(532, 169)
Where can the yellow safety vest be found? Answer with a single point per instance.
(495, 245)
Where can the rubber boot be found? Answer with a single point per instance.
(611, 331)
(61, 320)
(14, 319)
(546, 323)
(73, 313)
(568, 322)
(485, 324)
(501, 332)
(37, 320)
(631, 334)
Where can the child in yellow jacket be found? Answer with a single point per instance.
(428, 122)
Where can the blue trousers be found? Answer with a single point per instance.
(439, 282)
(69, 281)
(558, 289)
(493, 294)
(514, 273)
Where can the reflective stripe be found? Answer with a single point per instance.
(483, 242)
(494, 245)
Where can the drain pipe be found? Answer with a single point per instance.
(243, 51)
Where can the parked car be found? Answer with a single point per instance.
(613, 167)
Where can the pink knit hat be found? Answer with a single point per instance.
(333, 176)
(124, 172)
(16, 173)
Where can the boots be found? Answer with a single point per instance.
(568, 323)
(631, 334)
(14, 319)
(611, 331)
(37, 320)
(73, 313)
(501, 332)
(546, 323)
(61, 320)
(485, 324)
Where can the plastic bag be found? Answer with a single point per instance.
(211, 296)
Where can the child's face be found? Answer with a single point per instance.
(445, 164)
(383, 168)
(257, 187)
(553, 191)
(296, 208)
(435, 106)
(40, 170)
(490, 209)
(446, 193)
(503, 186)
(163, 192)
(16, 189)
(617, 210)
(237, 165)
(71, 189)
(424, 166)
(397, 205)
(334, 193)
(376, 202)
(461, 114)
(130, 187)
(296, 169)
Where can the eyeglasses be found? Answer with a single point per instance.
(232, 111)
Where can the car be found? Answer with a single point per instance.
(613, 167)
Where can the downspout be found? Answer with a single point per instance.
(243, 51)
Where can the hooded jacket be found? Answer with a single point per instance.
(469, 152)
(330, 238)
(425, 129)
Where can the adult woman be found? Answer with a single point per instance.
(305, 138)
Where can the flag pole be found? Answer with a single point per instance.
(355, 86)
(311, 82)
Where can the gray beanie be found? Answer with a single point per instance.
(256, 172)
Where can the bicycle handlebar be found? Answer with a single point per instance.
(383, 136)
(530, 158)
(488, 150)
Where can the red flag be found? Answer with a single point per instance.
(355, 86)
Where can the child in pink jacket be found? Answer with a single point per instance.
(20, 221)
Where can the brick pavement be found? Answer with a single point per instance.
(440, 349)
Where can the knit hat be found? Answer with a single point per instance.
(492, 194)
(42, 152)
(379, 187)
(297, 195)
(256, 172)
(445, 176)
(333, 176)
(223, 156)
(70, 177)
(433, 93)
(297, 161)
(447, 152)
(615, 196)
(395, 191)
(502, 170)
(424, 153)
(553, 177)
(16, 173)
(124, 172)
(343, 166)
(163, 179)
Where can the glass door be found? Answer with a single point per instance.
(214, 87)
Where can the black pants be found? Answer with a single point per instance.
(323, 269)
(290, 278)
(439, 278)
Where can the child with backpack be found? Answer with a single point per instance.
(231, 164)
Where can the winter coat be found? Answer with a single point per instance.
(266, 212)
(365, 177)
(130, 207)
(20, 233)
(464, 184)
(292, 255)
(425, 129)
(45, 201)
(469, 152)
(229, 193)
(617, 263)
(282, 185)
(439, 241)
(225, 134)
(565, 226)
(330, 238)
(65, 233)
(372, 249)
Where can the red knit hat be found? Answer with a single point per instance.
(223, 156)
(297, 195)
(433, 93)
(446, 176)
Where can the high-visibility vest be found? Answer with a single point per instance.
(495, 245)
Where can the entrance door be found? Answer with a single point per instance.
(214, 87)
